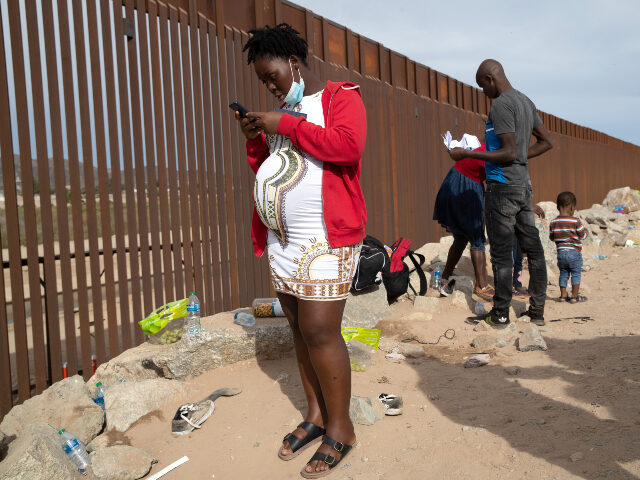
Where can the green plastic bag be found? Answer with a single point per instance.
(368, 336)
(160, 317)
(359, 342)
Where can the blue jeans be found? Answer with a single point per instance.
(569, 263)
(509, 211)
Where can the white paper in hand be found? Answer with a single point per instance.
(468, 142)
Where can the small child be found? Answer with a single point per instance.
(568, 232)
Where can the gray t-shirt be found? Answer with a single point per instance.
(513, 112)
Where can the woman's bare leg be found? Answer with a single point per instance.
(319, 323)
(316, 410)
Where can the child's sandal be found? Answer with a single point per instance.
(579, 298)
(564, 299)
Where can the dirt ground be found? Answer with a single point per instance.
(572, 412)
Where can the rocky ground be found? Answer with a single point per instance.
(571, 412)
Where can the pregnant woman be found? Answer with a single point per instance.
(310, 215)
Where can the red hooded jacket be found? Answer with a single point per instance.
(339, 145)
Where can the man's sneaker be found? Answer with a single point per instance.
(392, 404)
(190, 416)
(496, 319)
(447, 289)
(536, 316)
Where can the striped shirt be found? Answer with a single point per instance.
(567, 232)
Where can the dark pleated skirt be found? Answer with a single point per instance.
(460, 207)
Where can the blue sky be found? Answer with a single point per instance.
(579, 60)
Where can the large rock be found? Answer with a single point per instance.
(221, 342)
(623, 196)
(488, 341)
(365, 309)
(463, 283)
(365, 410)
(37, 454)
(429, 304)
(129, 401)
(65, 404)
(461, 300)
(121, 463)
(531, 340)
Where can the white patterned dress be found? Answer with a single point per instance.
(288, 198)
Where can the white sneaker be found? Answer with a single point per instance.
(191, 416)
(392, 404)
(447, 289)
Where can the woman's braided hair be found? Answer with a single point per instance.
(280, 41)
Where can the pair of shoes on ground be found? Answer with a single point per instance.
(314, 434)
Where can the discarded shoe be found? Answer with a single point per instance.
(447, 289)
(392, 404)
(191, 416)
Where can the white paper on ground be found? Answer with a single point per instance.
(468, 142)
(166, 470)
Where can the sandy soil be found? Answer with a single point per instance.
(580, 398)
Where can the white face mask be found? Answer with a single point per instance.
(296, 91)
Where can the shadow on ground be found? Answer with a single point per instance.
(598, 414)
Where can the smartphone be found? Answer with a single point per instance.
(291, 112)
(236, 107)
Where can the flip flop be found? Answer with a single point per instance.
(486, 293)
(298, 445)
(342, 448)
(563, 299)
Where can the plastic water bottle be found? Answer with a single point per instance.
(75, 450)
(436, 280)
(193, 315)
(99, 398)
(244, 319)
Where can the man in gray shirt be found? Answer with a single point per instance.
(509, 199)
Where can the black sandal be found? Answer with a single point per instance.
(342, 448)
(577, 299)
(298, 445)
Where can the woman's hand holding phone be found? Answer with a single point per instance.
(266, 121)
(250, 129)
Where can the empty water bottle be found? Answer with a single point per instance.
(193, 315)
(75, 450)
(99, 397)
(244, 319)
(436, 278)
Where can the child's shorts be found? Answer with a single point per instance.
(569, 263)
